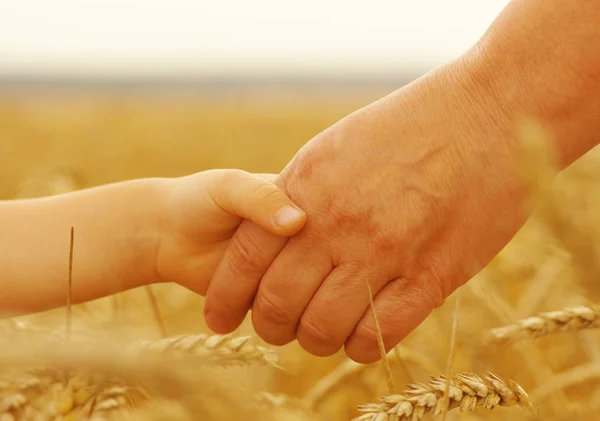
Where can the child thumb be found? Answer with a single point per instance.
(257, 198)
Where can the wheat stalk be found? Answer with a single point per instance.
(450, 361)
(466, 391)
(219, 349)
(156, 311)
(347, 368)
(565, 320)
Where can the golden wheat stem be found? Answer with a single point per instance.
(156, 311)
(418, 358)
(467, 391)
(382, 352)
(554, 197)
(328, 383)
(403, 364)
(541, 285)
(70, 287)
(446, 397)
(116, 308)
(573, 376)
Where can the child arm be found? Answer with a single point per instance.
(115, 236)
(118, 232)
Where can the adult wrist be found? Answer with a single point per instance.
(542, 73)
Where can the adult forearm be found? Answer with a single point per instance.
(114, 241)
(540, 59)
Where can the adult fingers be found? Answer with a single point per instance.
(287, 288)
(256, 198)
(235, 281)
(400, 306)
(336, 308)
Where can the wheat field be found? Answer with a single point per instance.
(522, 336)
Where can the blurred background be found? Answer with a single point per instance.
(96, 91)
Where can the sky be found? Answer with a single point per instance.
(235, 37)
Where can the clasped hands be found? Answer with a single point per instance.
(395, 195)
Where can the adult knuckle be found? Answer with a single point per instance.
(302, 167)
(432, 290)
(366, 335)
(217, 301)
(418, 295)
(272, 311)
(363, 347)
(345, 216)
(245, 256)
(314, 332)
(434, 296)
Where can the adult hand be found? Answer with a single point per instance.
(399, 194)
(414, 193)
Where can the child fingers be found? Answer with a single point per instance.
(258, 199)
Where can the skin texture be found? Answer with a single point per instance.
(130, 234)
(416, 192)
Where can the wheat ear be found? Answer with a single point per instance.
(347, 368)
(466, 391)
(219, 349)
(565, 320)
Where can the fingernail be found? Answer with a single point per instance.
(286, 215)
(216, 323)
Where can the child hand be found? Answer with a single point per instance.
(201, 213)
